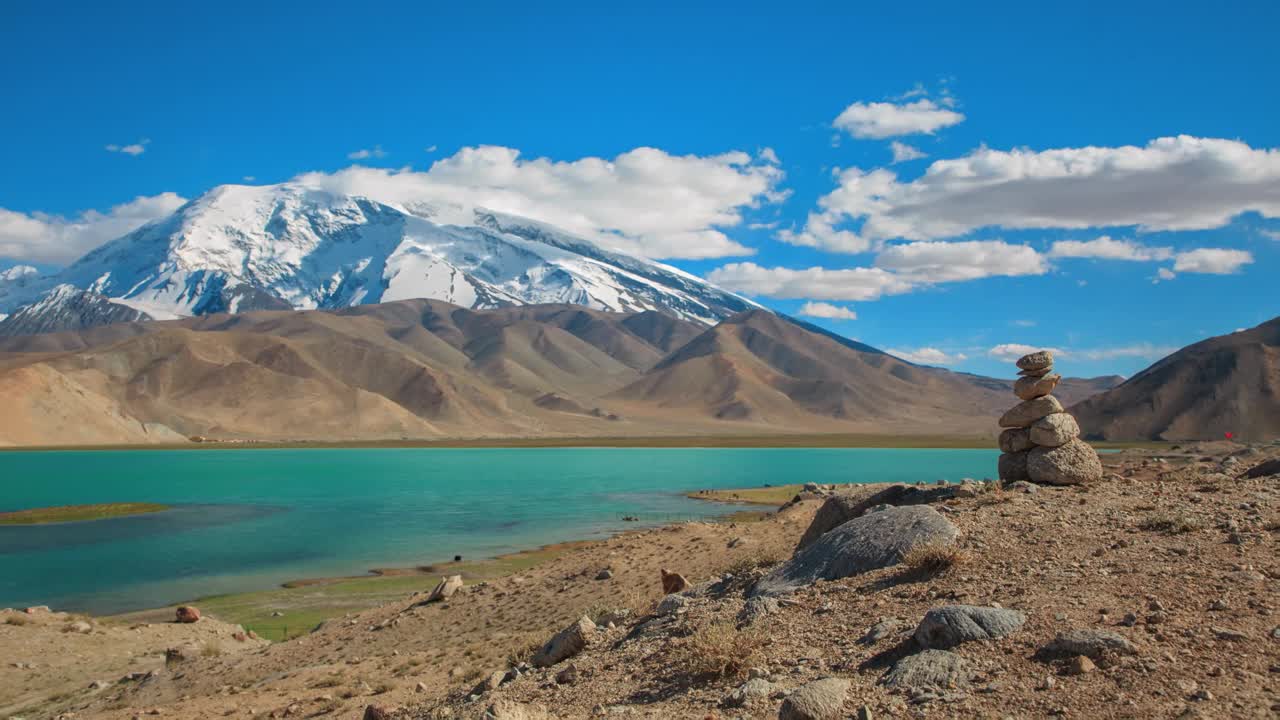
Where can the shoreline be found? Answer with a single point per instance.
(744, 441)
(254, 609)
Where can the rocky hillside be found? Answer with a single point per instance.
(1226, 384)
(421, 369)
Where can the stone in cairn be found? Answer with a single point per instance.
(1042, 442)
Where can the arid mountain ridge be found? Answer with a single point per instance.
(426, 369)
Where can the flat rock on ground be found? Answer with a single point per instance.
(928, 670)
(819, 700)
(951, 625)
(840, 509)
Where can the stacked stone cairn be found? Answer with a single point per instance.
(1042, 442)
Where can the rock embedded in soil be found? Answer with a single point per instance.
(1264, 469)
(508, 710)
(873, 541)
(566, 643)
(1030, 388)
(1015, 440)
(1036, 361)
(840, 509)
(744, 694)
(1074, 463)
(755, 609)
(818, 700)
(187, 614)
(1092, 644)
(1027, 412)
(951, 625)
(1054, 430)
(927, 670)
(1012, 467)
(445, 589)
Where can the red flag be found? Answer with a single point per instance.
(1229, 435)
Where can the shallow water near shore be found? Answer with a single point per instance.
(250, 519)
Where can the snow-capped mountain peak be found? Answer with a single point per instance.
(238, 248)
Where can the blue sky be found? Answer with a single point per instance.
(1044, 124)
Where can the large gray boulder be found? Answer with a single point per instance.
(1025, 413)
(951, 625)
(1073, 463)
(840, 509)
(819, 700)
(1012, 467)
(1054, 430)
(866, 543)
(927, 670)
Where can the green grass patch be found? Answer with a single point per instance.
(77, 513)
(304, 604)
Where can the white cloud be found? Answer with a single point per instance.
(1172, 183)
(644, 201)
(1141, 350)
(41, 237)
(134, 149)
(898, 269)
(1013, 351)
(881, 120)
(249, 178)
(430, 148)
(928, 356)
(827, 310)
(1164, 274)
(1273, 234)
(1106, 248)
(1023, 323)
(903, 152)
(365, 154)
(820, 283)
(935, 262)
(1214, 261)
(818, 233)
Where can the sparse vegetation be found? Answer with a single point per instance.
(718, 650)
(77, 513)
(523, 652)
(212, 648)
(1171, 523)
(751, 563)
(933, 559)
(17, 620)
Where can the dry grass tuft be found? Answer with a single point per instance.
(17, 620)
(1171, 523)
(524, 652)
(213, 648)
(718, 650)
(748, 564)
(933, 559)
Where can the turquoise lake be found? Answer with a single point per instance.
(251, 519)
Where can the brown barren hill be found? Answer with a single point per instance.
(1229, 383)
(762, 368)
(426, 369)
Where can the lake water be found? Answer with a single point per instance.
(251, 519)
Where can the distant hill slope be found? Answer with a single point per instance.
(1224, 384)
(430, 369)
